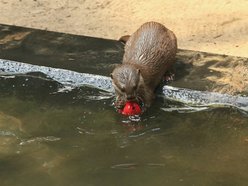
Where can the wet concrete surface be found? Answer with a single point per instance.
(78, 53)
(193, 69)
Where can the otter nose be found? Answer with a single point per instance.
(130, 97)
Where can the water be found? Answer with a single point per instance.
(75, 137)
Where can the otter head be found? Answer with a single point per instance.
(126, 81)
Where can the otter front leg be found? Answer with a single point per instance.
(148, 98)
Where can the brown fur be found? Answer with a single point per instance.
(149, 53)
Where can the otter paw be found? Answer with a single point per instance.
(119, 104)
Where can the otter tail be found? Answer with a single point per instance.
(124, 38)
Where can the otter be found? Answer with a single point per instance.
(149, 53)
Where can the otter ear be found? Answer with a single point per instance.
(111, 75)
(138, 71)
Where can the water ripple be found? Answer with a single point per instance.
(39, 140)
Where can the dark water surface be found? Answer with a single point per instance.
(76, 138)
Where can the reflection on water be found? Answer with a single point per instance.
(71, 138)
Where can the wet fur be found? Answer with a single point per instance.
(149, 53)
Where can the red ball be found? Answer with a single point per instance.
(131, 108)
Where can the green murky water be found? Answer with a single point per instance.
(71, 138)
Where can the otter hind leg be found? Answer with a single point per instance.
(168, 77)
